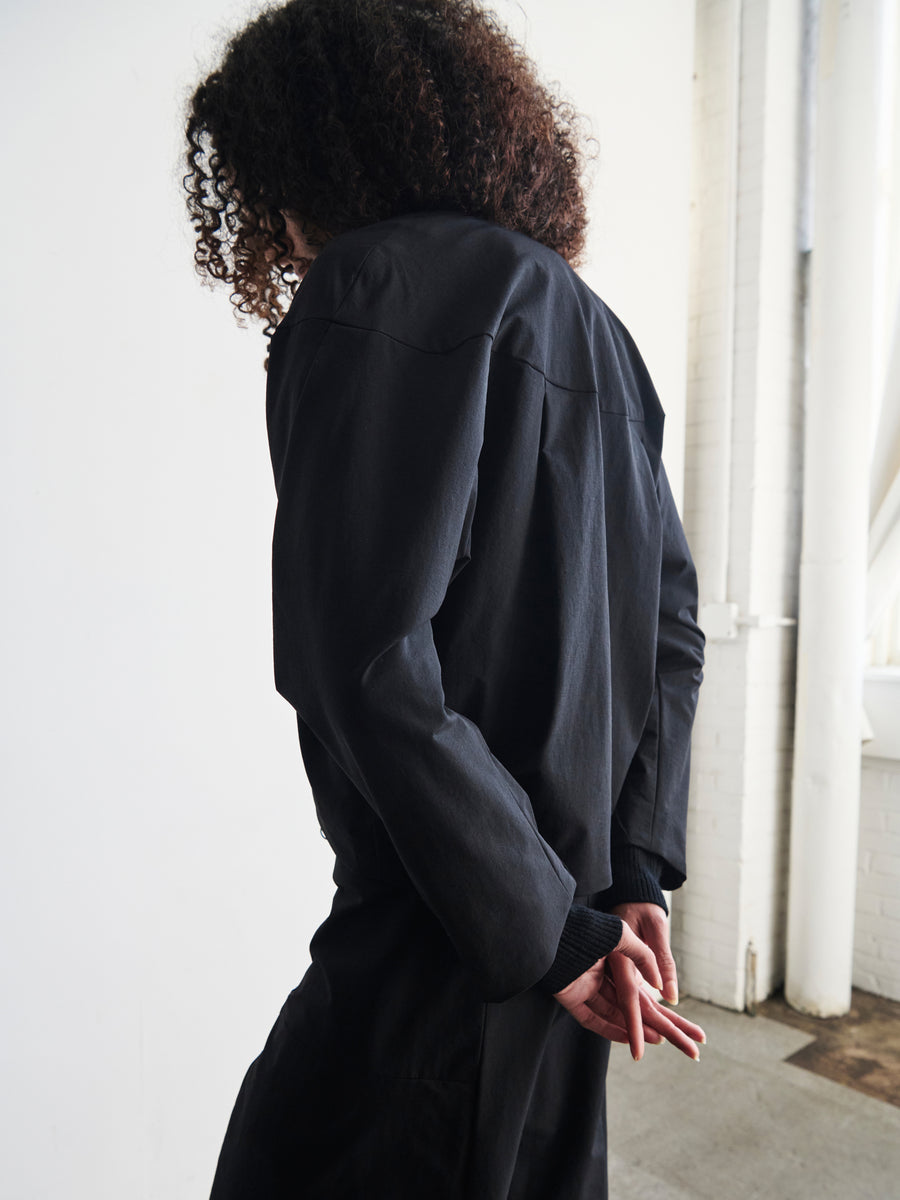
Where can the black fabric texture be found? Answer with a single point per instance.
(387, 1077)
(587, 935)
(636, 876)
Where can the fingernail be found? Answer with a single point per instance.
(703, 1039)
(697, 1056)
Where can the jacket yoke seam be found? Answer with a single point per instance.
(333, 320)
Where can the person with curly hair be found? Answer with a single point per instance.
(484, 607)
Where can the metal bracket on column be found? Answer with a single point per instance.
(756, 621)
(721, 621)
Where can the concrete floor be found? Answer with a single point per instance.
(743, 1124)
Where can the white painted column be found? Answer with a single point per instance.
(839, 397)
(742, 487)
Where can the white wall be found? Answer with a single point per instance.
(628, 67)
(162, 870)
(876, 948)
(741, 510)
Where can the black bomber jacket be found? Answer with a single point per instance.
(484, 603)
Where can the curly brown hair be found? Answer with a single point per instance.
(342, 113)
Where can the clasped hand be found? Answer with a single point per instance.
(614, 998)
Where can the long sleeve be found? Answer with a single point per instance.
(649, 820)
(636, 877)
(647, 851)
(375, 448)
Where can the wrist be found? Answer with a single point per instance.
(588, 935)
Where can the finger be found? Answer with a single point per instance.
(683, 1023)
(611, 1014)
(640, 954)
(591, 1020)
(660, 1020)
(680, 1042)
(656, 934)
(624, 1005)
(605, 1004)
(689, 1027)
(628, 988)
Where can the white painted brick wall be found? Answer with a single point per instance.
(876, 950)
(739, 817)
(741, 759)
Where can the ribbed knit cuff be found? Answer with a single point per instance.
(587, 935)
(636, 876)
